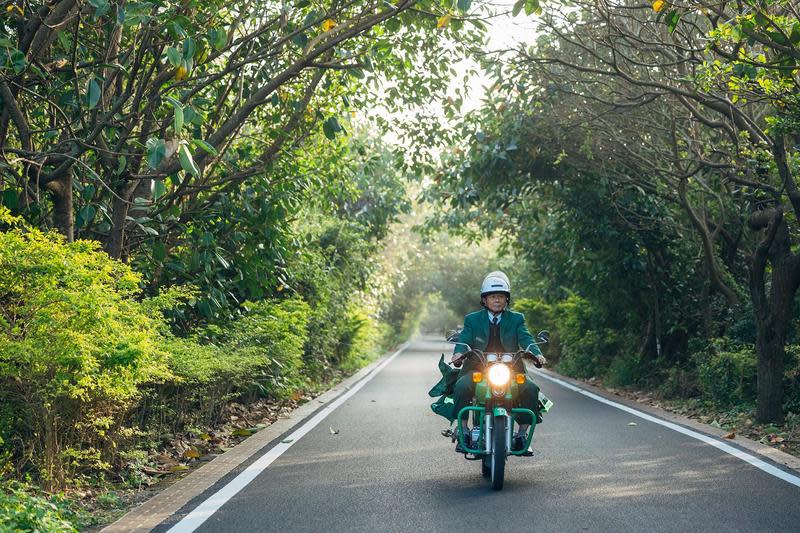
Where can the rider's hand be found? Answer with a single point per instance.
(539, 361)
(457, 360)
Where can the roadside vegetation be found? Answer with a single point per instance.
(202, 223)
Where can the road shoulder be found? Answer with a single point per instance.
(155, 510)
(778, 457)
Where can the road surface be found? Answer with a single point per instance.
(378, 463)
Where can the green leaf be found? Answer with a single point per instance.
(87, 214)
(218, 38)
(158, 189)
(464, 5)
(101, 7)
(10, 198)
(93, 93)
(18, 61)
(794, 37)
(88, 192)
(187, 161)
(174, 56)
(761, 19)
(188, 49)
(532, 6)
(517, 7)
(178, 119)
(200, 143)
(156, 150)
(122, 162)
(331, 127)
(159, 251)
(672, 20)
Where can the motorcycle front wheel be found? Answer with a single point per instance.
(498, 457)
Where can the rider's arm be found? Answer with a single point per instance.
(465, 337)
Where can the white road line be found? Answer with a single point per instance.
(756, 462)
(202, 512)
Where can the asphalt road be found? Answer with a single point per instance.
(389, 469)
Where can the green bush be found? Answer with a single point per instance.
(726, 372)
(22, 511)
(792, 378)
(260, 353)
(538, 314)
(624, 371)
(364, 342)
(586, 348)
(75, 345)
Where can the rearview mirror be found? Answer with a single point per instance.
(543, 336)
(454, 335)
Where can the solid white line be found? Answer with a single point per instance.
(202, 512)
(758, 463)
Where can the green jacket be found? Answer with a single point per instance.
(514, 335)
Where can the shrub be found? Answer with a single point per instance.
(624, 370)
(586, 348)
(538, 314)
(726, 372)
(75, 345)
(22, 511)
(260, 353)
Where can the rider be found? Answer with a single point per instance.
(495, 328)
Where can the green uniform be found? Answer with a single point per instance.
(514, 335)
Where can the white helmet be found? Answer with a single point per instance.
(495, 282)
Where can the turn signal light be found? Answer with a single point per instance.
(520, 378)
(477, 377)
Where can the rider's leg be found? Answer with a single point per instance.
(463, 392)
(528, 397)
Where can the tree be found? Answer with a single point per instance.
(151, 112)
(699, 111)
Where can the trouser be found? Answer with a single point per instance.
(527, 396)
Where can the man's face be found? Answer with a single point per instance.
(496, 302)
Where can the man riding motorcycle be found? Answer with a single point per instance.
(495, 328)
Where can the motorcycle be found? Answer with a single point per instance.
(493, 412)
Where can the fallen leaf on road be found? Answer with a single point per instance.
(287, 441)
(731, 435)
(334, 431)
(632, 423)
(178, 468)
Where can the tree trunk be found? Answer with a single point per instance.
(61, 192)
(773, 312)
(119, 214)
(770, 349)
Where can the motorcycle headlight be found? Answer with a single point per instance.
(499, 375)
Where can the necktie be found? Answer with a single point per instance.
(494, 321)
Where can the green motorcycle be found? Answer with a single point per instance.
(493, 412)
